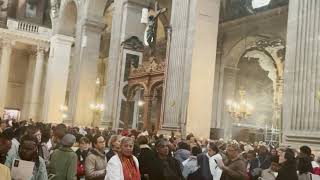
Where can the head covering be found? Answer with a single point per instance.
(68, 140)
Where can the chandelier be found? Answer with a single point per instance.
(239, 110)
(97, 107)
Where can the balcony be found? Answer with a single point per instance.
(15, 25)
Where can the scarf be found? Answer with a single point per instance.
(130, 171)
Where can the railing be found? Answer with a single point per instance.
(13, 24)
(23, 26)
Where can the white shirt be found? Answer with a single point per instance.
(114, 168)
(216, 172)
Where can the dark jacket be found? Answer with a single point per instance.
(145, 159)
(82, 155)
(287, 171)
(109, 154)
(203, 173)
(234, 170)
(168, 169)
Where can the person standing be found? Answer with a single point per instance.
(235, 167)
(63, 161)
(288, 168)
(82, 153)
(28, 151)
(96, 161)
(114, 146)
(123, 166)
(165, 167)
(191, 164)
(5, 145)
(145, 157)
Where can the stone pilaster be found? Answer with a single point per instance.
(85, 68)
(6, 51)
(301, 123)
(191, 67)
(56, 78)
(176, 85)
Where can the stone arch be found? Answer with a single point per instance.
(249, 43)
(133, 88)
(269, 46)
(155, 86)
(68, 18)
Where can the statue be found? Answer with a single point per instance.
(55, 6)
(151, 29)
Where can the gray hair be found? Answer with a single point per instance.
(125, 140)
(113, 139)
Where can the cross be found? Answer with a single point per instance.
(158, 10)
(151, 30)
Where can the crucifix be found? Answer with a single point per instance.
(150, 34)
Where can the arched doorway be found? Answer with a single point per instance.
(255, 65)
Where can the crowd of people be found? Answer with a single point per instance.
(70, 153)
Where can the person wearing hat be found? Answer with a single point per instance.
(63, 161)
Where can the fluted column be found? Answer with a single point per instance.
(191, 66)
(4, 72)
(56, 78)
(301, 76)
(176, 85)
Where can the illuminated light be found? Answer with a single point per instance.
(140, 103)
(260, 3)
(98, 81)
(64, 116)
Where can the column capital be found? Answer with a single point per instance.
(59, 38)
(7, 43)
(42, 49)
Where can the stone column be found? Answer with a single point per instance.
(35, 73)
(83, 89)
(4, 72)
(56, 78)
(125, 23)
(301, 115)
(176, 84)
(36, 85)
(229, 89)
(191, 66)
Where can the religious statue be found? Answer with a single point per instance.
(151, 29)
(55, 6)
